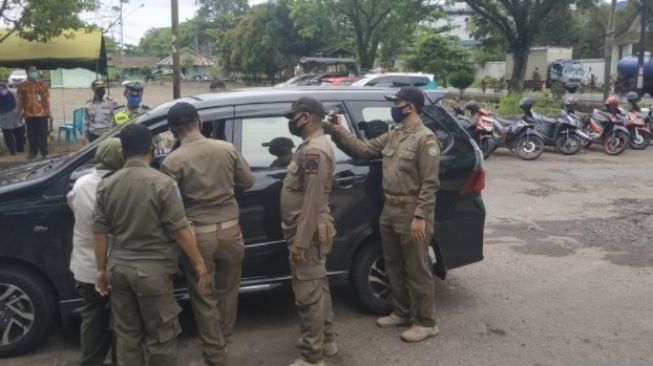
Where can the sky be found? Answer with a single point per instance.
(139, 16)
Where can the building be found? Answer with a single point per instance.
(133, 65)
(458, 20)
(194, 65)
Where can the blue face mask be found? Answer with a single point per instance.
(134, 100)
(398, 114)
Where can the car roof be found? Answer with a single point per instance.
(430, 76)
(281, 95)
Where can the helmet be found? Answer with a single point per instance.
(472, 106)
(526, 103)
(612, 100)
(98, 83)
(133, 85)
(571, 101)
(632, 97)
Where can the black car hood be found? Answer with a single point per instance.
(24, 172)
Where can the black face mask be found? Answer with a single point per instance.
(293, 128)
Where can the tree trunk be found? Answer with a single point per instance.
(520, 61)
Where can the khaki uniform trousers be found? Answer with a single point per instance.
(407, 264)
(144, 312)
(216, 310)
(313, 298)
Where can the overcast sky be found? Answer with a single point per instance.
(138, 18)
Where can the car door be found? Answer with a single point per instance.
(255, 126)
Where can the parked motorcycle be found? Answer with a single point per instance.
(606, 127)
(492, 132)
(562, 133)
(637, 124)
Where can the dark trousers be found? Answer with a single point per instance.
(15, 139)
(96, 336)
(37, 135)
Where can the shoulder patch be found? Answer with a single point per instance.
(433, 151)
(311, 163)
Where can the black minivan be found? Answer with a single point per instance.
(37, 288)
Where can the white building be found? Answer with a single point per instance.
(459, 19)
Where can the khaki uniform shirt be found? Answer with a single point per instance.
(306, 188)
(141, 208)
(207, 171)
(98, 115)
(411, 162)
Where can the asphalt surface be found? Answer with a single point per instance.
(567, 280)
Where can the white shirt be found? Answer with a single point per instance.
(81, 200)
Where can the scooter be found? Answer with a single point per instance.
(562, 133)
(607, 129)
(639, 130)
(520, 136)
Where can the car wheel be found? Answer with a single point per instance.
(369, 280)
(27, 310)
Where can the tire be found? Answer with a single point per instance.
(528, 147)
(369, 281)
(615, 142)
(26, 301)
(569, 144)
(644, 141)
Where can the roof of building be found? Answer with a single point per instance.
(198, 59)
(133, 61)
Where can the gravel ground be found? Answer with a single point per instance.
(567, 280)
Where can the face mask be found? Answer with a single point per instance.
(99, 93)
(293, 128)
(134, 101)
(4, 92)
(34, 75)
(398, 114)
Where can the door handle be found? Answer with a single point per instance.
(347, 179)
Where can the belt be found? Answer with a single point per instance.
(399, 200)
(206, 229)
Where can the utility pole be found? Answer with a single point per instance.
(122, 44)
(176, 63)
(609, 42)
(643, 19)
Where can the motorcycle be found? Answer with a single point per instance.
(639, 130)
(562, 133)
(520, 137)
(607, 129)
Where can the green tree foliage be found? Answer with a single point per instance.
(263, 43)
(41, 20)
(440, 56)
(371, 21)
(461, 79)
(518, 22)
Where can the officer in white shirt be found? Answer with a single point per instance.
(96, 338)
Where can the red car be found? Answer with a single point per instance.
(339, 81)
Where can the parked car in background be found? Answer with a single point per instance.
(17, 76)
(37, 288)
(398, 80)
(299, 80)
(338, 81)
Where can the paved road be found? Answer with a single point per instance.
(567, 280)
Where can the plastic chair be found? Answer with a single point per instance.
(71, 128)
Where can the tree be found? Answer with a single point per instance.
(461, 80)
(369, 21)
(519, 23)
(42, 20)
(440, 56)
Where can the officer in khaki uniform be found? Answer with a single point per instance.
(142, 209)
(309, 230)
(207, 171)
(411, 160)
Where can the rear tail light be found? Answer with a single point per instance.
(476, 182)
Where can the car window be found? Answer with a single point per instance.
(419, 81)
(266, 142)
(380, 111)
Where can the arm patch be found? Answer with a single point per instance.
(311, 163)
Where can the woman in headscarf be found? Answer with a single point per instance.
(11, 123)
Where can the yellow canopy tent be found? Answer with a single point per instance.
(75, 48)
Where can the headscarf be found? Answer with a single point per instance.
(7, 102)
(109, 155)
